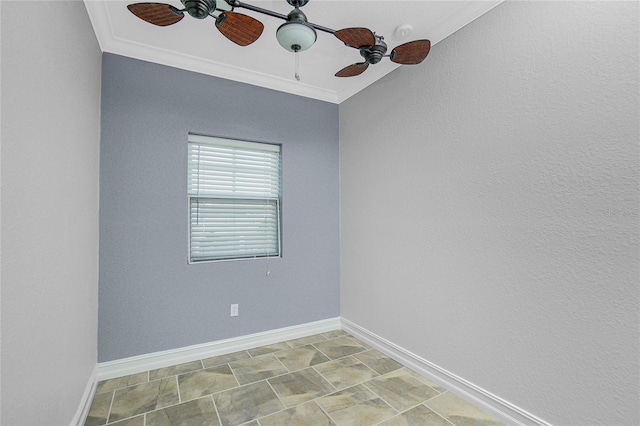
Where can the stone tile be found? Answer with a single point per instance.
(339, 347)
(301, 386)
(122, 382)
(301, 357)
(246, 403)
(289, 384)
(460, 412)
(174, 370)
(263, 350)
(345, 372)
(133, 421)
(134, 400)
(225, 359)
(378, 362)
(426, 381)
(99, 410)
(302, 341)
(361, 343)
(358, 341)
(356, 405)
(197, 412)
(258, 368)
(401, 389)
(333, 334)
(308, 414)
(419, 415)
(205, 382)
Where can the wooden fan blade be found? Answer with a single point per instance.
(411, 53)
(240, 29)
(353, 70)
(356, 37)
(156, 13)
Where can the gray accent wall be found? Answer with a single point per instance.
(490, 210)
(50, 157)
(150, 298)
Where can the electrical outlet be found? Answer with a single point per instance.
(234, 310)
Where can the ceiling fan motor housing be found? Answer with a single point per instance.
(374, 54)
(199, 9)
(297, 3)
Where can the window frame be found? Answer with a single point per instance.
(237, 143)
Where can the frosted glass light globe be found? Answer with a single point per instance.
(296, 37)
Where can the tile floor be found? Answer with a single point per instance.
(325, 379)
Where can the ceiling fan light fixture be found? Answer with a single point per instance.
(296, 35)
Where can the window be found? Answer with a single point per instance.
(234, 199)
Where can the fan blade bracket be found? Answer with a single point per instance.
(177, 11)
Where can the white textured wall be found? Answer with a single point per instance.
(50, 148)
(490, 208)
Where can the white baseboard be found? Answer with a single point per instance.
(500, 408)
(138, 364)
(503, 410)
(87, 399)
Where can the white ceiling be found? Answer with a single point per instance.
(197, 45)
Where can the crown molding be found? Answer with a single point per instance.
(110, 43)
(469, 12)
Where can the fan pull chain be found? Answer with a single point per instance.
(297, 53)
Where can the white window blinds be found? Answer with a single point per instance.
(234, 199)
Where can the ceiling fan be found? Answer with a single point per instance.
(295, 35)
